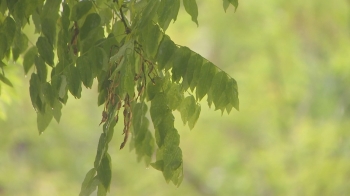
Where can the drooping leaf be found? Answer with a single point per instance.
(49, 94)
(173, 165)
(51, 9)
(102, 97)
(218, 87)
(143, 140)
(100, 62)
(192, 9)
(225, 4)
(101, 149)
(101, 190)
(45, 50)
(104, 171)
(90, 183)
(194, 64)
(154, 87)
(187, 108)
(41, 68)
(85, 71)
(80, 9)
(207, 74)
(19, 45)
(56, 112)
(48, 28)
(3, 45)
(180, 63)
(35, 91)
(151, 37)
(166, 50)
(9, 29)
(193, 119)
(124, 50)
(36, 21)
(5, 80)
(158, 165)
(148, 14)
(167, 11)
(174, 96)
(74, 82)
(91, 22)
(233, 2)
(28, 59)
(44, 119)
(158, 108)
(232, 93)
(127, 83)
(63, 87)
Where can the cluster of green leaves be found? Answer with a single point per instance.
(123, 44)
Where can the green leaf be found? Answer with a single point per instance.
(29, 57)
(3, 45)
(193, 119)
(56, 112)
(37, 22)
(44, 119)
(49, 94)
(187, 108)
(151, 37)
(218, 87)
(80, 9)
(19, 45)
(174, 96)
(90, 187)
(5, 80)
(159, 108)
(101, 190)
(232, 93)
(128, 46)
(63, 87)
(173, 165)
(100, 62)
(35, 91)
(41, 68)
(66, 14)
(148, 14)
(127, 83)
(91, 22)
(158, 165)
(233, 2)
(85, 71)
(102, 97)
(225, 4)
(3, 7)
(51, 9)
(9, 29)
(88, 180)
(104, 171)
(154, 88)
(144, 142)
(194, 64)
(192, 9)
(74, 82)
(166, 50)
(48, 28)
(101, 149)
(163, 127)
(45, 50)
(180, 63)
(167, 11)
(207, 73)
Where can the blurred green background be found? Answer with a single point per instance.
(291, 60)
